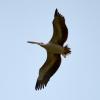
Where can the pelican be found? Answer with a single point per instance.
(55, 48)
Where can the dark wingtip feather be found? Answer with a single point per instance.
(40, 85)
(56, 12)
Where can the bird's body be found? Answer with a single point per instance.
(54, 50)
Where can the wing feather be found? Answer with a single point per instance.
(60, 30)
(47, 70)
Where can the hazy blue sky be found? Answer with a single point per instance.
(78, 78)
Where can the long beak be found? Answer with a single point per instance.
(32, 42)
(40, 44)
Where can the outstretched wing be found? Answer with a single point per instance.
(60, 31)
(47, 70)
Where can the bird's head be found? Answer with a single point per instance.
(41, 43)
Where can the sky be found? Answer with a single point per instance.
(78, 77)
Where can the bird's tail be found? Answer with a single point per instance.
(67, 51)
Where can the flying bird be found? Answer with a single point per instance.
(55, 48)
